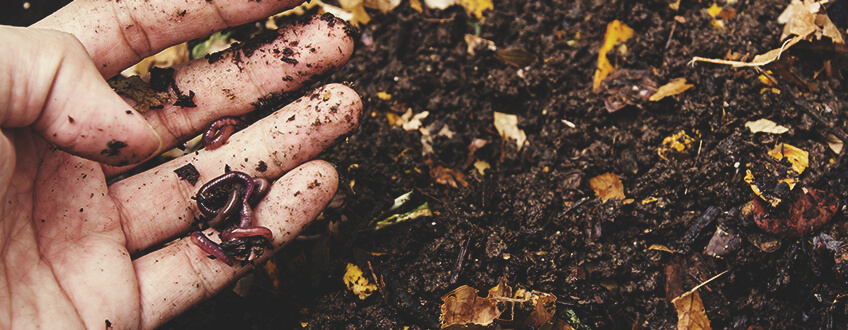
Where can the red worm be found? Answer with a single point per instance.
(220, 130)
(243, 232)
(210, 247)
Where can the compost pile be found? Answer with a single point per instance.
(529, 173)
(567, 161)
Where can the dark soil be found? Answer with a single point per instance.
(533, 218)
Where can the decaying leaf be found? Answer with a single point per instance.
(357, 283)
(679, 146)
(773, 181)
(384, 6)
(807, 18)
(481, 166)
(616, 32)
(607, 186)
(391, 216)
(763, 125)
(139, 92)
(507, 126)
(357, 8)
(674, 87)
(446, 176)
(410, 121)
(658, 247)
(475, 42)
(422, 210)
(517, 57)
(545, 307)
(384, 96)
(690, 312)
(809, 210)
(834, 143)
(719, 14)
(799, 159)
(462, 306)
(627, 87)
(427, 135)
(474, 8)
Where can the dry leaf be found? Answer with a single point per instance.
(799, 159)
(516, 57)
(142, 97)
(384, 96)
(719, 14)
(474, 42)
(607, 186)
(674, 87)
(658, 247)
(357, 8)
(678, 145)
(809, 20)
(507, 126)
(545, 307)
(834, 143)
(616, 32)
(475, 8)
(766, 126)
(446, 176)
(462, 306)
(690, 312)
(410, 121)
(357, 283)
(482, 166)
(384, 6)
(416, 4)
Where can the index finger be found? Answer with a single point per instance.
(118, 34)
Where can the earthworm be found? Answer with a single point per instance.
(227, 210)
(220, 130)
(210, 247)
(243, 232)
(232, 178)
(262, 186)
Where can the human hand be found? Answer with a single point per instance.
(69, 243)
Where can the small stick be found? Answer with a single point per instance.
(459, 259)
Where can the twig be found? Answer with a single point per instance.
(459, 259)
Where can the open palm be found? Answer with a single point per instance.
(75, 252)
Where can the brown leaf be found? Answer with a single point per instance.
(674, 87)
(607, 186)
(462, 306)
(627, 87)
(517, 57)
(544, 310)
(446, 176)
(690, 312)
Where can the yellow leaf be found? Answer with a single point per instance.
(357, 8)
(384, 96)
(507, 126)
(690, 312)
(799, 159)
(357, 283)
(677, 145)
(658, 247)
(616, 32)
(674, 87)
(416, 4)
(475, 8)
(607, 186)
(766, 126)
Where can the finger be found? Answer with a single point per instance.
(231, 84)
(120, 33)
(267, 148)
(61, 94)
(181, 275)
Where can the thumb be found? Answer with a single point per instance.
(54, 87)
